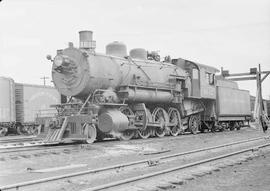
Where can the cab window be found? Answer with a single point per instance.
(195, 74)
(210, 78)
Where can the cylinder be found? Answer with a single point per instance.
(112, 120)
(86, 40)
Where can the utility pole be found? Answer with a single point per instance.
(254, 74)
(44, 78)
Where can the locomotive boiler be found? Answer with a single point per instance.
(123, 95)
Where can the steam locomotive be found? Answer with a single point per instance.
(137, 95)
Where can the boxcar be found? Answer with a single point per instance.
(31, 100)
(7, 104)
(21, 106)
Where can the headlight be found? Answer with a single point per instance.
(58, 60)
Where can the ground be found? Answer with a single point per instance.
(253, 175)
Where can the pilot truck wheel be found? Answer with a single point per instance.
(90, 131)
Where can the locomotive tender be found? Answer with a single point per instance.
(137, 95)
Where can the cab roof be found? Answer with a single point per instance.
(188, 63)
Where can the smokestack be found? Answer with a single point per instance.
(86, 40)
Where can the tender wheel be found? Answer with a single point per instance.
(241, 123)
(144, 134)
(127, 135)
(175, 119)
(223, 126)
(238, 126)
(90, 131)
(160, 116)
(3, 131)
(232, 126)
(193, 124)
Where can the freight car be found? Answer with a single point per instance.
(137, 95)
(20, 106)
(7, 105)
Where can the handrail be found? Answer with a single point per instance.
(129, 58)
(84, 104)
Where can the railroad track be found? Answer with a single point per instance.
(21, 146)
(39, 145)
(34, 146)
(15, 139)
(38, 148)
(115, 184)
(26, 143)
(156, 163)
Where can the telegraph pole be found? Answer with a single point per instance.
(44, 78)
(259, 94)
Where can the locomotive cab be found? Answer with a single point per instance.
(201, 79)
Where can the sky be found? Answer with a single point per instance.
(233, 34)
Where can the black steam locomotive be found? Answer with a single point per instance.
(137, 95)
